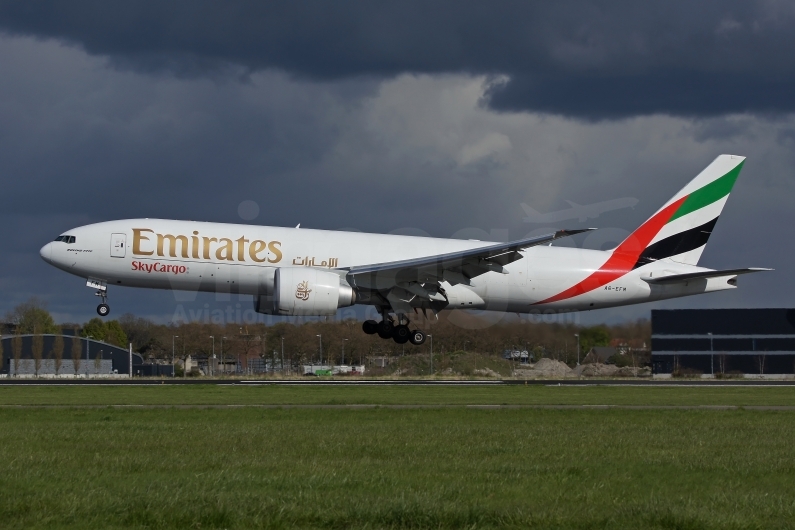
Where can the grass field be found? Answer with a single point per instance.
(457, 467)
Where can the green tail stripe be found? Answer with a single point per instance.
(714, 191)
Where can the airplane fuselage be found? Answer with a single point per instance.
(231, 258)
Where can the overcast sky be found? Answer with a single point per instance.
(435, 118)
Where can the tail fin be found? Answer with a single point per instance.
(680, 229)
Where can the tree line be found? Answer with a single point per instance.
(330, 340)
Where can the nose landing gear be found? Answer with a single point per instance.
(102, 291)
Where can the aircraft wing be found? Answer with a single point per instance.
(405, 279)
(679, 278)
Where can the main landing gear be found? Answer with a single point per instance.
(388, 329)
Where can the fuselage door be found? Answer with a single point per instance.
(118, 244)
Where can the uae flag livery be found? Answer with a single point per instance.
(678, 231)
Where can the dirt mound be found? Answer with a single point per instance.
(629, 371)
(596, 370)
(488, 372)
(545, 368)
(609, 370)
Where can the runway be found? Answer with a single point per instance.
(400, 382)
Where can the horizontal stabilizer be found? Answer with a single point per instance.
(678, 278)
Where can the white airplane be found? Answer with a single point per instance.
(292, 271)
(578, 211)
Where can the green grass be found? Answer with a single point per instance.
(394, 395)
(106, 467)
(446, 468)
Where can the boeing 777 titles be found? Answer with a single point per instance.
(292, 271)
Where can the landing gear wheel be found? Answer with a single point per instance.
(385, 328)
(417, 337)
(401, 334)
(103, 310)
(370, 327)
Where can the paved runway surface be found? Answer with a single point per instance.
(408, 382)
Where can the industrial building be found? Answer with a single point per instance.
(720, 342)
(80, 357)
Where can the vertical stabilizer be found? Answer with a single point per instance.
(679, 230)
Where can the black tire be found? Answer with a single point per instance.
(385, 328)
(103, 310)
(401, 334)
(370, 327)
(417, 337)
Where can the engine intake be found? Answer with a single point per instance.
(301, 291)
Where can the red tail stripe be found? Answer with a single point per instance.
(623, 257)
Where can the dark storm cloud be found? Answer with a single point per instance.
(573, 58)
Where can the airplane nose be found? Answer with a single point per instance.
(46, 252)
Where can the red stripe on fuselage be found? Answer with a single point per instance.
(623, 257)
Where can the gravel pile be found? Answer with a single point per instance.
(596, 370)
(545, 368)
(609, 370)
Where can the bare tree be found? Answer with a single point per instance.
(722, 363)
(57, 353)
(761, 361)
(16, 348)
(97, 362)
(37, 350)
(76, 354)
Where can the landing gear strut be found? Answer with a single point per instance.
(103, 309)
(102, 291)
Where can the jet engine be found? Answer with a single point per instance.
(301, 291)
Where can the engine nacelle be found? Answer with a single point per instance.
(302, 291)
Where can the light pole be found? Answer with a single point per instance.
(320, 346)
(578, 348)
(431, 337)
(223, 359)
(343, 350)
(172, 353)
(711, 355)
(87, 338)
(213, 337)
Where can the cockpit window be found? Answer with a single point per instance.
(66, 239)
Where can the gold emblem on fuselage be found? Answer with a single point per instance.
(302, 291)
